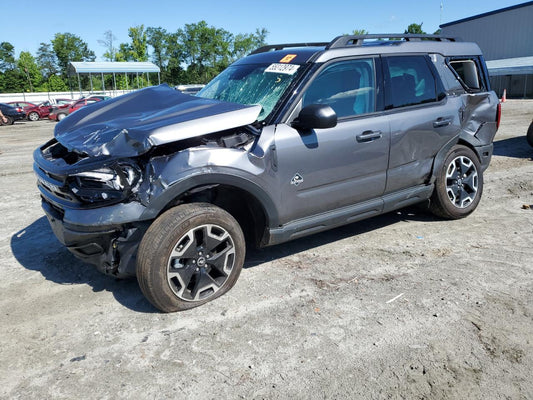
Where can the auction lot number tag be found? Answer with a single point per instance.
(277, 68)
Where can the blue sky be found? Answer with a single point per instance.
(26, 23)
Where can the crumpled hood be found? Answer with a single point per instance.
(131, 124)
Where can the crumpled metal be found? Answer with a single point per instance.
(132, 124)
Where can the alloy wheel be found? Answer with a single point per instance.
(201, 262)
(461, 181)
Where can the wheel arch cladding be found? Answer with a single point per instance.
(228, 192)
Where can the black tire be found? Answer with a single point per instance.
(530, 134)
(10, 120)
(459, 184)
(33, 116)
(191, 254)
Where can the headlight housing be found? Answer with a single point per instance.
(108, 184)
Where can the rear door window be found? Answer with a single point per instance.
(410, 81)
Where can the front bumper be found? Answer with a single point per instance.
(111, 247)
(106, 234)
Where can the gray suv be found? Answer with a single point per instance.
(292, 140)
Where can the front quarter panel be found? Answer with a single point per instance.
(250, 169)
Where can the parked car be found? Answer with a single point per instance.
(99, 97)
(529, 135)
(11, 113)
(39, 111)
(58, 112)
(82, 103)
(60, 102)
(21, 104)
(289, 141)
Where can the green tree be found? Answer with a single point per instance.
(415, 29)
(28, 67)
(358, 32)
(7, 56)
(245, 43)
(108, 42)
(47, 60)
(55, 84)
(12, 81)
(124, 53)
(206, 50)
(139, 43)
(69, 47)
(157, 38)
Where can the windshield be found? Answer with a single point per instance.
(252, 84)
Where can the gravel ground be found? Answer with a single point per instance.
(400, 306)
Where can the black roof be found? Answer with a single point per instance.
(302, 55)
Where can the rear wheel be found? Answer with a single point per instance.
(60, 116)
(33, 116)
(459, 184)
(530, 134)
(191, 254)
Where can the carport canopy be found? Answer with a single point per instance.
(106, 67)
(86, 67)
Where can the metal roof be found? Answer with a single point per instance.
(511, 66)
(86, 67)
(460, 21)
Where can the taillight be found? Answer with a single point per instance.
(498, 115)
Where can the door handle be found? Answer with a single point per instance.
(368, 136)
(441, 122)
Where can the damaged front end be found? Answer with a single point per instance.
(100, 174)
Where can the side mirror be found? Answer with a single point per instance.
(316, 116)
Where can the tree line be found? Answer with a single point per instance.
(192, 54)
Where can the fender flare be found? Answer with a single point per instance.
(177, 188)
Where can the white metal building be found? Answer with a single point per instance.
(506, 39)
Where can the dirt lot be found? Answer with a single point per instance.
(400, 306)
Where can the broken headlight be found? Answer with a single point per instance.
(109, 184)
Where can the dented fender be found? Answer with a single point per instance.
(168, 177)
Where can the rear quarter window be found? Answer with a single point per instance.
(468, 73)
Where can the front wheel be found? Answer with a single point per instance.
(459, 184)
(60, 116)
(191, 254)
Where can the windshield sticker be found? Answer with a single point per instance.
(289, 69)
(288, 58)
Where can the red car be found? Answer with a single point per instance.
(82, 103)
(60, 112)
(41, 110)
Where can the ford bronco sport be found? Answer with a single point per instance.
(291, 140)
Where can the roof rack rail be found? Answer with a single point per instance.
(358, 40)
(270, 47)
